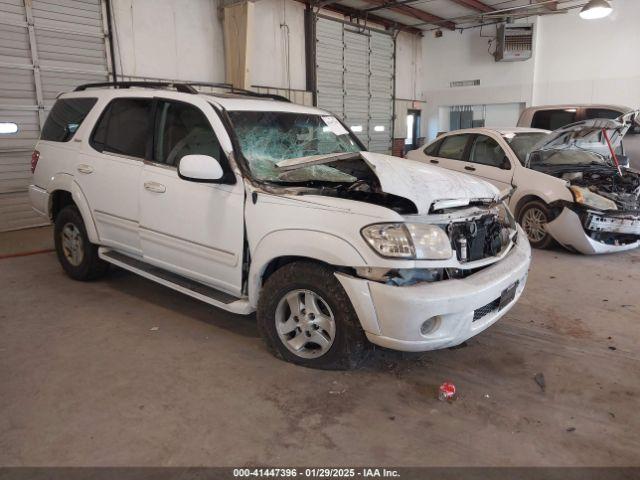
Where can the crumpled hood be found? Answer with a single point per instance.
(424, 184)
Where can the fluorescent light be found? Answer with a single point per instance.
(595, 9)
(356, 128)
(7, 128)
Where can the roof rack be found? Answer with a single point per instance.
(183, 87)
(180, 87)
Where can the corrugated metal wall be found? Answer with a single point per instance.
(46, 47)
(354, 76)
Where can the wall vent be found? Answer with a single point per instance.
(464, 83)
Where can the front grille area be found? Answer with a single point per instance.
(486, 310)
(476, 240)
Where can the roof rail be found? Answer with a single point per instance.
(239, 91)
(183, 87)
(180, 87)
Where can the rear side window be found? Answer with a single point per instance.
(183, 129)
(553, 119)
(601, 113)
(124, 127)
(432, 150)
(453, 147)
(65, 118)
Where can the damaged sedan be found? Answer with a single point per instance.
(333, 246)
(572, 185)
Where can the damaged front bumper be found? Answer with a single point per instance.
(569, 230)
(453, 310)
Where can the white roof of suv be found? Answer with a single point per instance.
(233, 99)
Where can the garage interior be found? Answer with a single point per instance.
(124, 372)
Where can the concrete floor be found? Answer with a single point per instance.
(126, 372)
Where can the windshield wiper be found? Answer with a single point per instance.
(300, 162)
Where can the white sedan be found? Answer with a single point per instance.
(567, 184)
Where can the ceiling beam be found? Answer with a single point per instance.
(475, 5)
(549, 5)
(355, 13)
(415, 13)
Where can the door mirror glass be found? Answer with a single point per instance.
(199, 168)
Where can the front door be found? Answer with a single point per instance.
(191, 228)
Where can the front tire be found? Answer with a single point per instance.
(77, 255)
(533, 218)
(305, 317)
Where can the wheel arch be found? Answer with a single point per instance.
(63, 191)
(276, 250)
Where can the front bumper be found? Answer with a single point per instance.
(567, 230)
(391, 316)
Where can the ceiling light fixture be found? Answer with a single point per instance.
(595, 9)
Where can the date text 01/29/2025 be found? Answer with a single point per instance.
(315, 473)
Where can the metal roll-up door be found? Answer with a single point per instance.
(45, 48)
(355, 79)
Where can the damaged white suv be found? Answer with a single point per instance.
(252, 203)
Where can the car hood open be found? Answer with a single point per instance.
(424, 184)
(587, 134)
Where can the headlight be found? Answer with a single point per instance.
(408, 240)
(586, 197)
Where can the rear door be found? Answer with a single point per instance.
(451, 152)
(487, 159)
(108, 170)
(191, 228)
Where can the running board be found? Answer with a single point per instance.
(177, 282)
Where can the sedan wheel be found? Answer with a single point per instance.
(534, 217)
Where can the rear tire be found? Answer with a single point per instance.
(533, 218)
(305, 317)
(77, 255)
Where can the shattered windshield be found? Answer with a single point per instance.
(522, 143)
(267, 138)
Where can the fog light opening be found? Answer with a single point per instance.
(430, 325)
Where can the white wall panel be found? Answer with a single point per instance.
(176, 39)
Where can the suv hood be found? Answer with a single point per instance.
(424, 184)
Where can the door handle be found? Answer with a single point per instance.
(434, 161)
(84, 168)
(155, 187)
(472, 169)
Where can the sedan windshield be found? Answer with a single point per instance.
(267, 138)
(522, 143)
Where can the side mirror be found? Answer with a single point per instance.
(199, 168)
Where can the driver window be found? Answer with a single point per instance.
(486, 151)
(182, 129)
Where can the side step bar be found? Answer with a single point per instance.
(177, 282)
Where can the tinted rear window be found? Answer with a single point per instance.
(453, 147)
(602, 113)
(65, 118)
(124, 127)
(553, 119)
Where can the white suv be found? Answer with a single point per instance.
(251, 203)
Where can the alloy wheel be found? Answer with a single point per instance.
(305, 323)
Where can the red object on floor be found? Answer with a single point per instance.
(447, 391)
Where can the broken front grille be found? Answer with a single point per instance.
(477, 239)
(486, 310)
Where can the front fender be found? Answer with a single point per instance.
(66, 182)
(316, 245)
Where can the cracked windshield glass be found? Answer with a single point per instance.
(267, 138)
